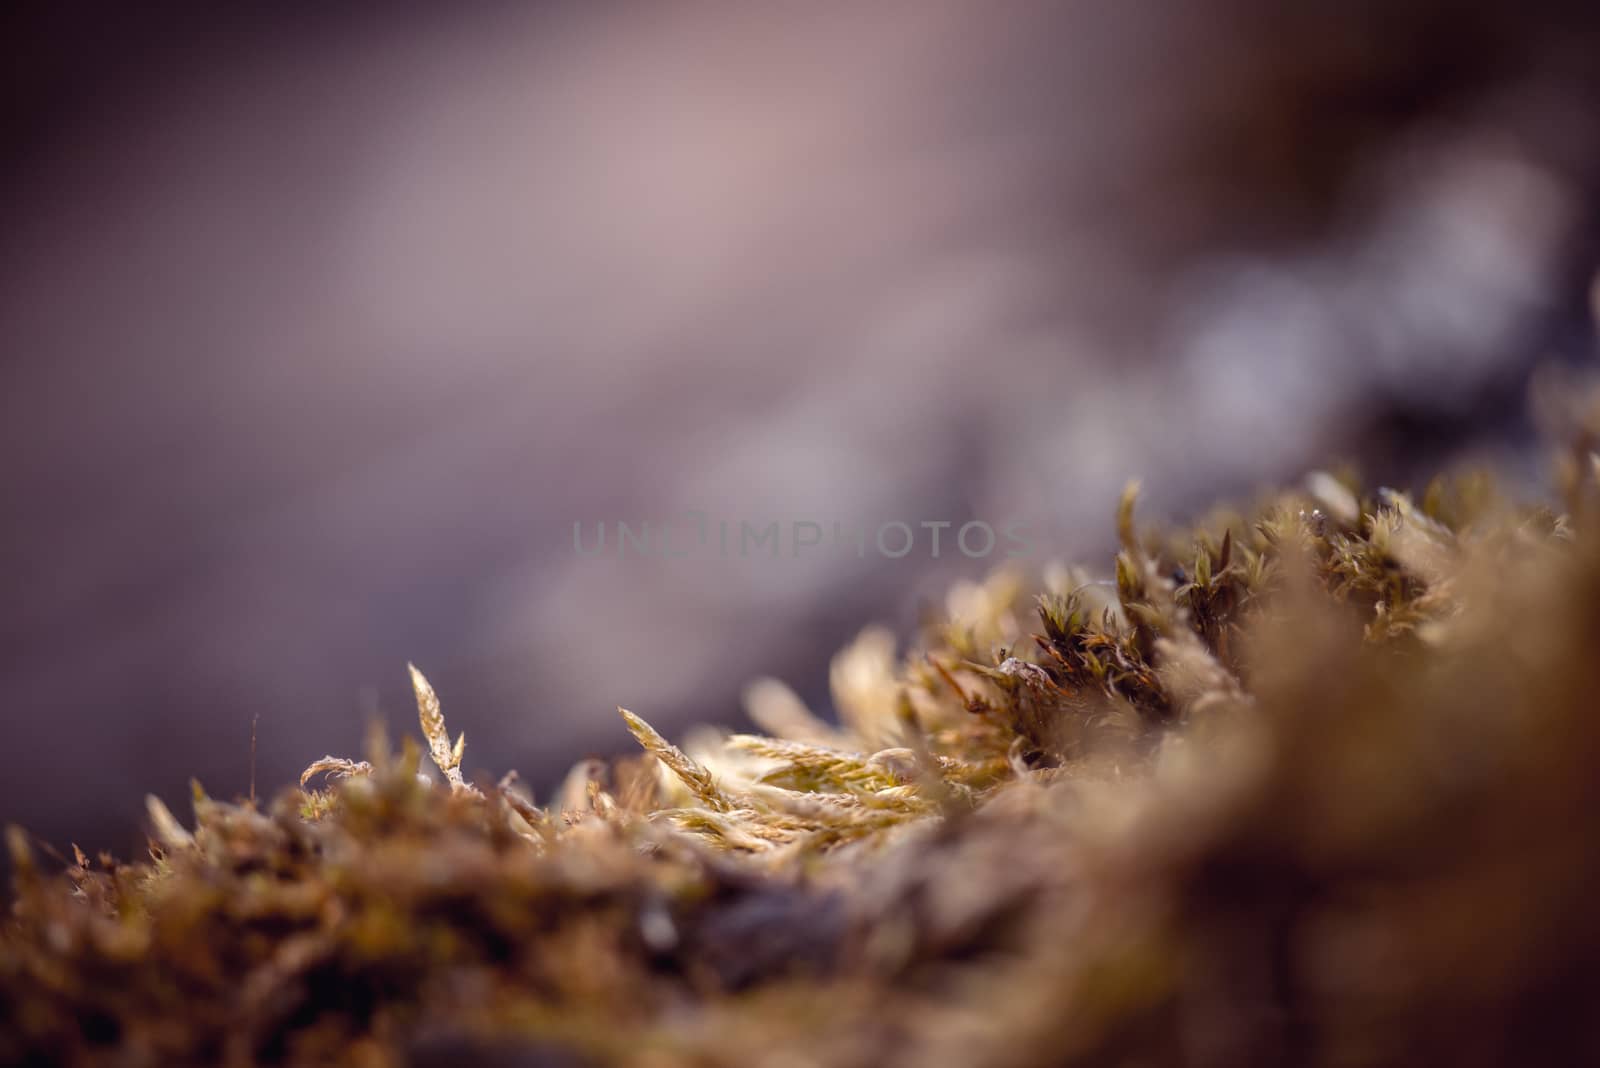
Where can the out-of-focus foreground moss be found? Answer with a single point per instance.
(1316, 785)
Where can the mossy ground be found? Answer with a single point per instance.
(1313, 785)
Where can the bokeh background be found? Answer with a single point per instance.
(321, 328)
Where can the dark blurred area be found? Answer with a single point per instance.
(321, 329)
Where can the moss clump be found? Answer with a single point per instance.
(1313, 786)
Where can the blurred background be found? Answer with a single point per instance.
(321, 328)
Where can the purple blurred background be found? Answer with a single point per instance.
(320, 331)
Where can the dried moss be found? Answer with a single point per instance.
(1311, 787)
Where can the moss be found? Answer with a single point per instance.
(1309, 786)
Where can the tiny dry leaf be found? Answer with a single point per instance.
(445, 755)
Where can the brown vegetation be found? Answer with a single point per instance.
(1309, 786)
